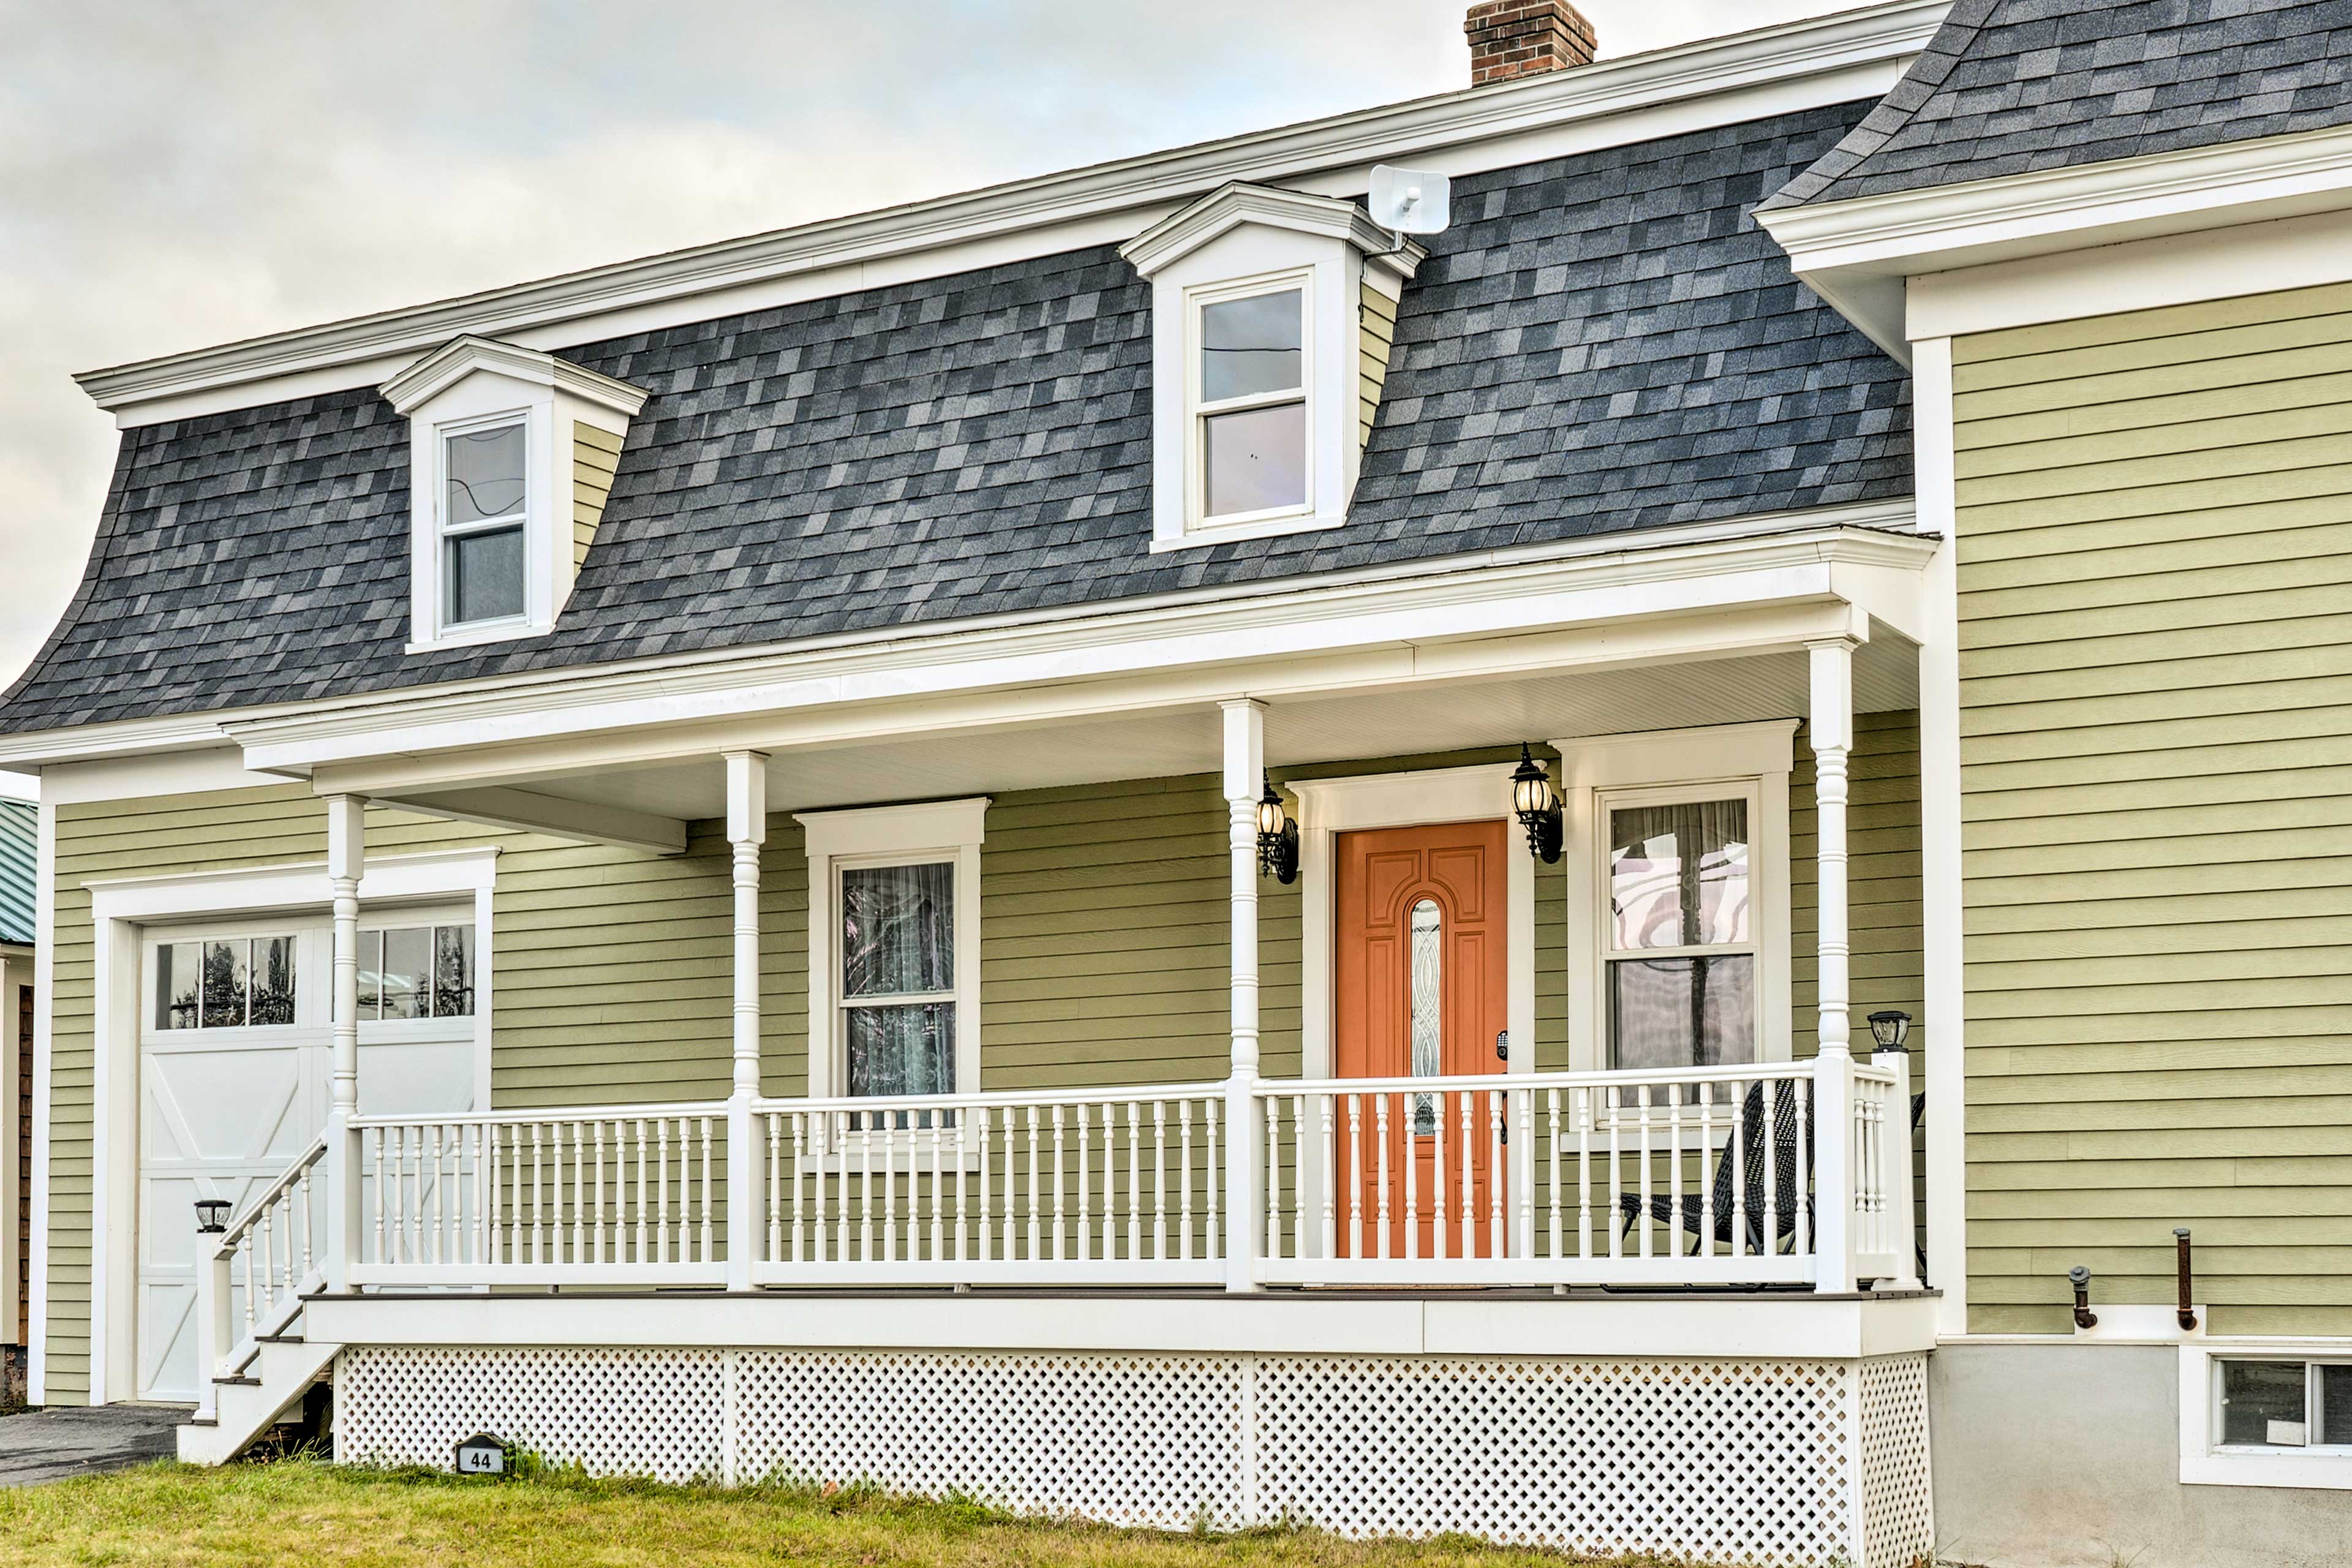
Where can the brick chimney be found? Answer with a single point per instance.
(1522, 38)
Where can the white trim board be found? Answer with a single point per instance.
(45, 967)
(1943, 978)
(1592, 766)
(1856, 253)
(1850, 539)
(1328, 807)
(1720, 81)
(1383, 1323)
(2204, 1462)
(1310, 641)
(120, 907)
(950, 830)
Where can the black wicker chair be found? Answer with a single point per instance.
(1790, 1183)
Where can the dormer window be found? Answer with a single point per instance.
(484, 494)
(1272, 315)
(1251, 415)
(512, 454)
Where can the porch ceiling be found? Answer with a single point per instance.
(1399, 722)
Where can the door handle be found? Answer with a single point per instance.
(1503, 1045)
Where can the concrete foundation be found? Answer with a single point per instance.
(2064, 1456)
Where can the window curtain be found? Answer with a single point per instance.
(898, 939)
(1678, 878)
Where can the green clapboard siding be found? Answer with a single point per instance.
(2155, 545)
(612, 980)
(1104, 950)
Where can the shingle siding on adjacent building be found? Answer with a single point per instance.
(2010, 86)
(1600, 343)
(2155, 544)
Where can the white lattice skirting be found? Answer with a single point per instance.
(1778, 1462)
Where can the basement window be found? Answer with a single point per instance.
(2282, 1405)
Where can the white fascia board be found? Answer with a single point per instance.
(1720, 81)
(1848, 251)
(1793, 1326)
(1303, 624)
(1860, 524)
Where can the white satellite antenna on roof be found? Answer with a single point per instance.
(1410, 201)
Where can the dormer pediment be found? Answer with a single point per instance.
(1273, 312)
(1234, 206)
(513, 452)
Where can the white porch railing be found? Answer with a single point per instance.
(598, 1195)
(259, 1268)
(1785, 1173)
(1092, 1186)
(1688, 1176)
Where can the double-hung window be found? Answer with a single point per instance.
(1250, 402)
(897, 977)
(893, 950)
(1678, 927)
(483, 542)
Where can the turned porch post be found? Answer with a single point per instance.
(1244, 1195)
(746, 831)
(1830, 726)
(346, 862)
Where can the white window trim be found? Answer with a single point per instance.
(2204, 1461)
(475, 383)
(1328, 807)
(1242, 239)
(1198, 410)
(1595, 769)
(890, 835)
(120, 909)
(535, 502)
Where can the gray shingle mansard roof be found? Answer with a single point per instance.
(1600, 343)
(2010, 86)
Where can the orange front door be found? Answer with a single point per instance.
(1419, 991)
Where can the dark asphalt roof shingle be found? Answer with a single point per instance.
(1600, 343)
(2012, 86)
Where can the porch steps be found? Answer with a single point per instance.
(284, 1366)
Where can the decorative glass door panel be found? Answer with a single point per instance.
(1419, 991)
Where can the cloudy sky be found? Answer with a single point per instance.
(179, 172)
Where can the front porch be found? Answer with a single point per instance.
(1292, 1254)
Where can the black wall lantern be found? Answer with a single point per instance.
(1890, 1028)
(1277, 837)
(212, 1215)
(1537, 805)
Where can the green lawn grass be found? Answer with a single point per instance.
(297, 1512)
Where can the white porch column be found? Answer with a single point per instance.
(746, 831)
(1831, 724)
(346, 862)
(1244, 760)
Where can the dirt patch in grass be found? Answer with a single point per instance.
(299, 1512)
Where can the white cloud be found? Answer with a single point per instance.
(173, 175)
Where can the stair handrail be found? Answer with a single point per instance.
(238, 1228)
(220, 1352)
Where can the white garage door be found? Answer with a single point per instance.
(234, 1073)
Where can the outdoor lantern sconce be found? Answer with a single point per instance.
(1537, 807)
(1890, 1028)
(212, 1215)
(1277, 837)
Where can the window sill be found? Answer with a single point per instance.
(472, 636)
(1262, 528)
(2330, 1470)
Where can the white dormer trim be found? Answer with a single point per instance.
(1240, 240)
(473, 384)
